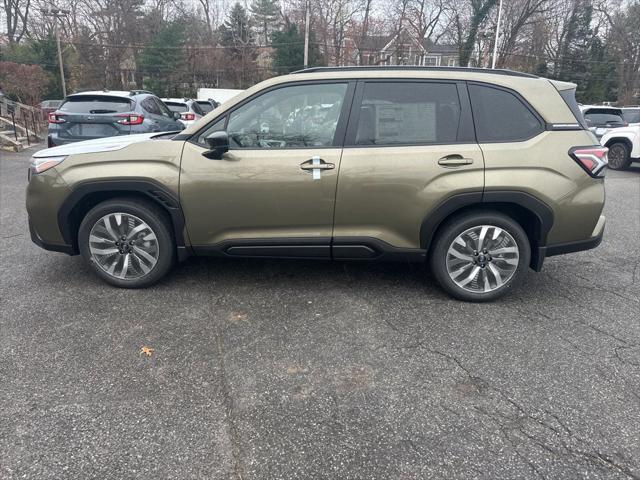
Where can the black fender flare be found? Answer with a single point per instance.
(542, 212)
(156, 193)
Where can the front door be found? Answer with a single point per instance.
(273, 193)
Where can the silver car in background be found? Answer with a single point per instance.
(189, 110)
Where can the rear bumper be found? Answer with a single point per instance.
(569, 247)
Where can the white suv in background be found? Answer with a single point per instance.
(189, 110)
(624, 142)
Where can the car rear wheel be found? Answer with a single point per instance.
(619, 156)
(127, 242)
(480, 256)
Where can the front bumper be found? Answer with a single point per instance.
(54, 247)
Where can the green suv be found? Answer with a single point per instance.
(480, 173)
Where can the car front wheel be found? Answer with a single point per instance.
(480, 256)
(127, 242)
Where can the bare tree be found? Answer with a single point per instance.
(17, 17)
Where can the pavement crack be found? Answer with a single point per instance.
(234, 434)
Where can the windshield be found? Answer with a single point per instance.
(96, 104)
(631, 116)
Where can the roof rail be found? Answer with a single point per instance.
(497, 71)
(138, 92)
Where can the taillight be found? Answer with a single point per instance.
(592, 159)
(56, 118)
(130, 119)
(187, 116)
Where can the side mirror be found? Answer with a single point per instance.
(176, 115)
(218, 145)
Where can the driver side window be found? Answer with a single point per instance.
(288, 117)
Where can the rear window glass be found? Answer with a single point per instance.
(96, 104)
(177, 107)
(205, 106)
(196, 108)
(500, 116)
(631, 116)
(603, 117)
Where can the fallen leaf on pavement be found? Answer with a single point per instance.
(147, 351)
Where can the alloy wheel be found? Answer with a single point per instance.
(482, 258)
(123, 245)
(617, 156)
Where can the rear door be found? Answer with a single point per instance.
(94, 116)
(410, 145)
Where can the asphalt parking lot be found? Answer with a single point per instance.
(282, 370)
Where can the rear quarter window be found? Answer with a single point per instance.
(500, 116)
(96, 104)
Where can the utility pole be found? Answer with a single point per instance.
(495, 43)
(58, 14)
(306, 36)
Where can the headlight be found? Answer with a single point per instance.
(42, 164)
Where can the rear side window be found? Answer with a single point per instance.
(96, 104)
(500, 116)
(405, 113)
(150, 106)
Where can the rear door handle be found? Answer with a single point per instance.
(454, 161)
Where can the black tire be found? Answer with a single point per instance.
(150, 214)
(619, 156)
(463, 223)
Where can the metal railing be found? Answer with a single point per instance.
(23, 121)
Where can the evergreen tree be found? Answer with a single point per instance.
(289, 50)
(236, 36)
(265, 14)
(600, 78)
(575, 48)
(161, 61)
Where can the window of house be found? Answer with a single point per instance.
(451, 62)
(500, 116)
(288, 117)
(404, 113)
(431, 61)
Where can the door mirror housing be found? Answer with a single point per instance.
(176, 115)
(218, 143)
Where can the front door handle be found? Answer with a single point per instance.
(454, 161)
(320, 166)
(315, 165)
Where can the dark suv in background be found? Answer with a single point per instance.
(109, 113)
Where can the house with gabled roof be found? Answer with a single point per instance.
(403, 48)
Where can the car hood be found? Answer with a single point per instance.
(107, 144)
